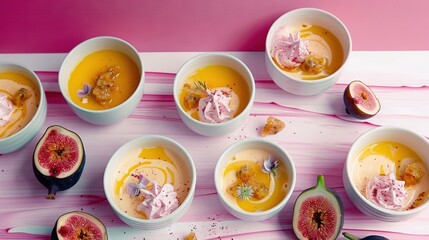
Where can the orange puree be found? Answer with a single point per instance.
(322, 43)
(213, 77)
(10, 84)
(156, 164)
(89, 70)
(276, 183)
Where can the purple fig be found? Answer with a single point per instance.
(78, 225)
(360, 100)
(370, 237)
(318, 213)
(58, 159)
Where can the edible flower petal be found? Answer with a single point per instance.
(84, 91)
(133, 189)
(269, 165)
(158, 201)
(245, 192)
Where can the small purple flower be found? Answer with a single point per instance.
(269, 165)
(133, 188)
(84, 91)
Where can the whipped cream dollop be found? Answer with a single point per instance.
(288, 49)
(387, 192)
(6, 109)
(215, 108)
(158, 201)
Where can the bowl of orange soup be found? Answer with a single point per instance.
(214, 93)
(386, 173)
(22, 106)
(102, 80)
(150, 182)
(254, 179)
(306, 50)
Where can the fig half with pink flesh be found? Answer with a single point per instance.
(58, 159)
(360, 100)
(78, 226)
(318, 213)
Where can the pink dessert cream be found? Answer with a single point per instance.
(306, 51)
(218, 106)
(150, 183)
(391, 176)
(214, 94)
(289, 50)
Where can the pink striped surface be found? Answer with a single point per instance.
(318, 135)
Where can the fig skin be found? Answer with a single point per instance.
(352, 108)
(370, 237)
(328, 195)
(52, 183)
(54, 234)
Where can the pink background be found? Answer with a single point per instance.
(189, 25)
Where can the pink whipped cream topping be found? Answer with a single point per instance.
(386, 192)
(215, 107)
(6, 109)
(289, 50)
(158, 201)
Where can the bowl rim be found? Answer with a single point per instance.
(196, 58)
(42, 100)
(107, 177)
(348, 175)
(99, 38)
(318, 11)
(263, 144)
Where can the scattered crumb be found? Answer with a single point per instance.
(272, 126)
(191, 236)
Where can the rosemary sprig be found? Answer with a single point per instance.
(200, 85)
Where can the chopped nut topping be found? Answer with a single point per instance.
(191, 236)
(194, 94)
(272, 126)
(412, 174)
(20, 96)
(246, 173)
(105, 85)
(313, 64)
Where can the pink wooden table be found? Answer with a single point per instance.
(318, 135)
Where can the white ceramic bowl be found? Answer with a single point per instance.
(76, 55)
(150, 141)
(197, 62)
(408, 138)
(278, 152)
(26, 134)
(310, 16)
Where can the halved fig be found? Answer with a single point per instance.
(318, 213)
(58, 159)
(370, 237)
(360, 100)
(78, 226)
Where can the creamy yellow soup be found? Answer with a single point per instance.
(322, 43)
(91, 69)
(275, 184)
(214, 77)
(23, 112)
(384, 157)
(156, 164)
